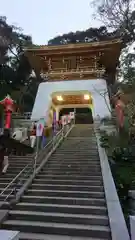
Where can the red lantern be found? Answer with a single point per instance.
(8, 105)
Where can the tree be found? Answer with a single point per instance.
(14, 65)
(90, 35)
(117, 15)
(12, 40)
(5, 31)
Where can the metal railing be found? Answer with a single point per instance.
(15, 182)
(10, 191)
(25, 115)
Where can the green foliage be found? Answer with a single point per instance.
(118, 15)
(121, 154)
(15, 67)
(90, 35)
(104, 142)
(129, 72)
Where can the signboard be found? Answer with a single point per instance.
(40, 127)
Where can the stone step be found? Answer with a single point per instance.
(82, 147)
(90, 137)
(75, 158)
(8, 191)
(64, 162)
(65, 193)
(86, 149)
(21, 158)
(35, 236)
(71, 168)
(8, 175)
(18, 165)
(69, 182)
(64, 200)
(79, 140)
(90, 142)
(4, 185)
(66, 187)
(59, 228)
(73, 162)
(67, 177)
(82, 135)
(4, 179)
(84, 142)
(70, 172)
(73, 144)
(3, 197)
(59, 217)
(75, 209)
(18, 168)
(18, 161)
(77, 153)
(67, 198)
(15, 171)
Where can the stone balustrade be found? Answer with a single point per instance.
(9, 235)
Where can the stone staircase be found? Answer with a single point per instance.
(66, 200)
(16, 165)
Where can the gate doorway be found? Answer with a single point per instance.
(82, 115)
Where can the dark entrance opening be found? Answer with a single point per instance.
(82, 115)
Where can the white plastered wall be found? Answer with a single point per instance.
(95, 87)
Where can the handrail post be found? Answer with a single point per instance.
(36, 155)
(62, 132)
(53, 142)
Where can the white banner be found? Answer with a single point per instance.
(69, 118)
(64, 120)
(72, 115)
(40, 127)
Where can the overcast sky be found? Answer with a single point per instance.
(45, 19)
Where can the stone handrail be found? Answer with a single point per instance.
(118, 226)
(132, 227)
(9, 235)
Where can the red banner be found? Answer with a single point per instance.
(120, 113)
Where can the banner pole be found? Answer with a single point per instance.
(74, 115)
(36, 155)
(39, 132)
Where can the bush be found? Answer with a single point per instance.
(122, 154)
